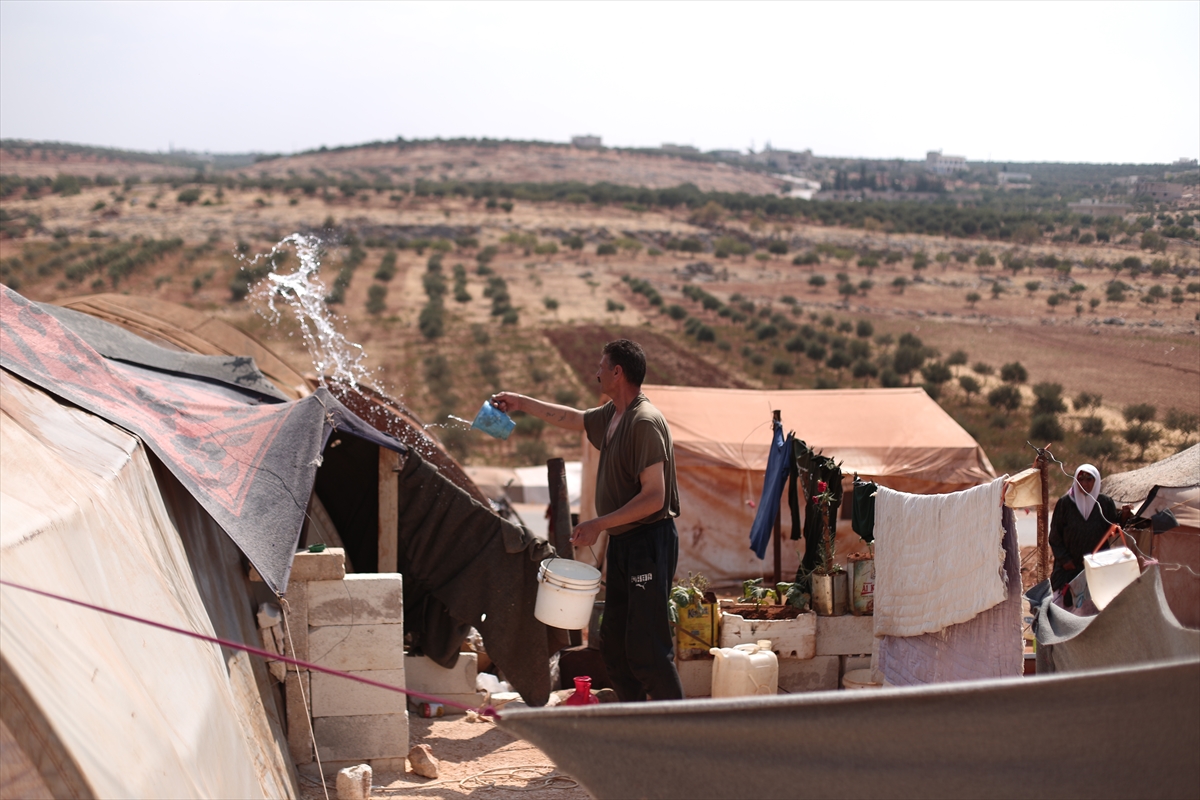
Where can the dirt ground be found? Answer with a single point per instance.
(467, 749)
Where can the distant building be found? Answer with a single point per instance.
(586, 141)
(1016, 180)
(1186, 162)
(940, 164)
(727, 155)
(680, 148)
(1099, 208)
(1160, 192)
(782, 160)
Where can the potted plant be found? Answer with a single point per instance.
(829, 583)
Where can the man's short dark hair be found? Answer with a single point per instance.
(630, 357)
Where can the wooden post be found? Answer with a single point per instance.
(389, 510)
(1042, 463)
(560, 532)
(776, 417)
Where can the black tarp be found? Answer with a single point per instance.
(249, 460)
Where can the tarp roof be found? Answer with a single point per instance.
(1181, 469)
(883, 433)
(248, 459)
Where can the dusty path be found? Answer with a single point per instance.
(466, 749)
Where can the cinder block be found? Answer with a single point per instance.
(696, 676)
(328, 565)
(298, 734)
(360, 599)
(333, 696)
(790, 638)
(296, 619)
(424, 675)
(362, 738)
(816, 674)
(845, 636)
(357, 647)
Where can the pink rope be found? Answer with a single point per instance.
(488, 711)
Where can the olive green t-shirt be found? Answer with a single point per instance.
(642, 439)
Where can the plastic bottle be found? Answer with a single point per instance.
(583, 693)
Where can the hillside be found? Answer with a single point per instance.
(715, 296)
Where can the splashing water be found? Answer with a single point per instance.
(301, 292)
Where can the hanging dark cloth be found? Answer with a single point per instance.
(821, 468)
(862, 508)
(778, 469)
(797, 482)
(464, 566)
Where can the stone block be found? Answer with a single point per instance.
(354, 783)
(816, 674)
(696, 676)
(295, 610)
(357, 647)
(423, 675)
(362, 738)
(790, 638)
(328, 565)
(298, 734)
(333, 696)
(845, 636)
(361, 599)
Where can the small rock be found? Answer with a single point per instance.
(354, 783)
(423, 762)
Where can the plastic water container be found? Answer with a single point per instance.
(745, 670)
(566, 592)
(1108, 572)
(493, 421)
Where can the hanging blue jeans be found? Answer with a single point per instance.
(768, 504)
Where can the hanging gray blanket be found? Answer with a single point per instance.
(464, 566)
(1136, 627)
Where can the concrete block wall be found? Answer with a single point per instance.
(352, 623)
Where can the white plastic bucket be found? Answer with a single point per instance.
(566, 592)
(860, 679)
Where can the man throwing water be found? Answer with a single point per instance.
(637, 500)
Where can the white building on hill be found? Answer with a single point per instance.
(939, 164)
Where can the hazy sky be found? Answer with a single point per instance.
(1036, 81)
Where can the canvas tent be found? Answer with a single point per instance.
(1171, 484)
(897, 437)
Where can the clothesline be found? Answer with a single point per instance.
(487, 711)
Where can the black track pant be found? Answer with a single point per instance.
(635, 636)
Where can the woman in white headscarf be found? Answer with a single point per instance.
(1081, 518)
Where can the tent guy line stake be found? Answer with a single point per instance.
(488, 711)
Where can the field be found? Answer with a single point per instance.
(544, 284)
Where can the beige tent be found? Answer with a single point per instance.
(94, 706)
(897, 437)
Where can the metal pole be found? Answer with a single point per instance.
(775, 415)
(1042, 464)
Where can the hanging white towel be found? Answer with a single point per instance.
(938, 558)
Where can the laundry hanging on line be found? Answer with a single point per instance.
(939, 559)
(779, 463)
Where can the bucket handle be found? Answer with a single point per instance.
(1114, 528)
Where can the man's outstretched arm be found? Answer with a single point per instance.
(559, 416)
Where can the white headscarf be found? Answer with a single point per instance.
(1085, 501)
